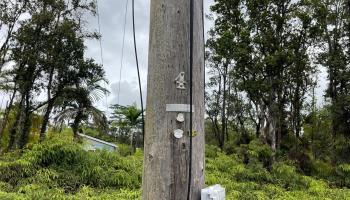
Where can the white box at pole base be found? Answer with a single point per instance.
(215, 192)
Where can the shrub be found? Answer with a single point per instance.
(125, 150)
(343, 175)
(60, 169)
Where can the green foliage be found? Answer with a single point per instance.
(59, 168)
(124, 149)
(98, 134)
(321, 169)
(253, 181)
(343, 175)
(126, 124)
(255, 152)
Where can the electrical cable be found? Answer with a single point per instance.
(99, 32)
(122, 56)
(138, 69)
(191, 99)
(203, 29)
(101, 51)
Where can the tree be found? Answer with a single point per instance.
(27, 52)
(220, 60)
(48, 46)
(77, 101)
(332, 22)
(267, 44)
(10, 14)
(65, 56)
(127, 122)
(65, 51)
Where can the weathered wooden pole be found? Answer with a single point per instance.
(167, 146)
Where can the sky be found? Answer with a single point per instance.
(112, 23)
(112, 16)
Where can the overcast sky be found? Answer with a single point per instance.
(112, 23)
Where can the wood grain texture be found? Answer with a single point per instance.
(166, 158)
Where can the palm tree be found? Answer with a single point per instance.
(127, 118)
(77, 103)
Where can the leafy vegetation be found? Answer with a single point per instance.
(126, 124)
(267, 135)
(253, 181)
(59, 168)
(44, 54)
(264, 58)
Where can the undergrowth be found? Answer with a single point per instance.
(59, 168)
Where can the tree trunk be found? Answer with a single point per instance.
(271, 125)
(257, 128)
(272, 131)
(46, 120)
(132, 141)
(166, 158)
(13, 130)
(26, 124)
(228, 106)
(77, 120)
(223, 110)
(49, 106)
(6, 115)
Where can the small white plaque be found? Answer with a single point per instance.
(179, 108)
(178, 133)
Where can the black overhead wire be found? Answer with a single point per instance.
(123, 45)
(101, 50)
(136, 56)
(191, 99)
(99, 31)
(138, 69)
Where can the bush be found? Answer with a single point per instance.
(125, 150)
(343, 175)
(255, 152)
(59, 168)
(322, 169)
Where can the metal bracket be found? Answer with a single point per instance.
(184, 108)
(194, 133)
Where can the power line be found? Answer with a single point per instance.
(101, 50)
(99, 31)
(191, 100)
(138, 69)
(122, 56)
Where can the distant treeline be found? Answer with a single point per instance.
(42, 54)
(264, 58)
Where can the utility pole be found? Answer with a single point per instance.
(167, 137)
